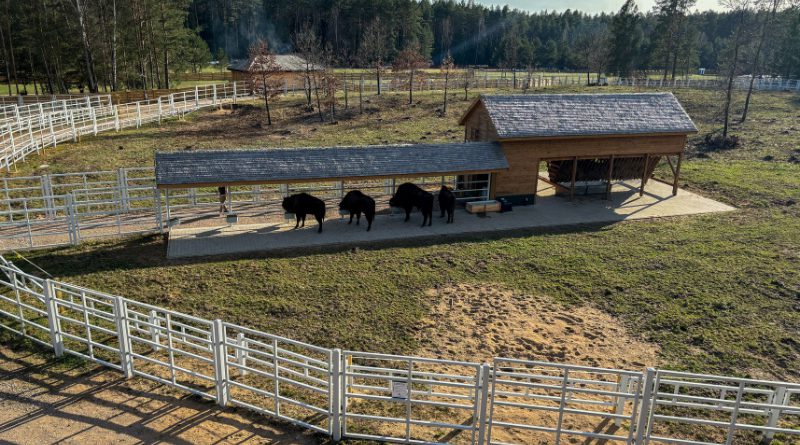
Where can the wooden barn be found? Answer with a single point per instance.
(584, 139)
(292, 68)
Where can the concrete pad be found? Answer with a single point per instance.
(550, 210)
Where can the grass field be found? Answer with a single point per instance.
(718, 293)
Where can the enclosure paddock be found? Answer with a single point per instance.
(550, 210)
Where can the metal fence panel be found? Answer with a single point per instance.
(291, 380)
(410, 399)
(541, 402)
(704, 409)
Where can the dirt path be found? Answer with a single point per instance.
(45, 401)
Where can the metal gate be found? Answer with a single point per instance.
(412, 400)
(546, 403)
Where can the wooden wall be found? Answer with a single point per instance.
(478, 126)
(597, 147)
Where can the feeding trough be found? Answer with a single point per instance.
(288, 216)
(232, 218)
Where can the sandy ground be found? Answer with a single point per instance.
(480, 322)
(43, 401)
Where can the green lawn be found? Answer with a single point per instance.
(718, 293)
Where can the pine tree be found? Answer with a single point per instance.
(625, 40)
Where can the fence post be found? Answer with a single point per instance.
(220, 362)
(241, 353)
(116, 118)
(197, 97)
(138, 114)
(121, 318)
(483, 410)
(94, 120)
(122, 183)
(779, 398)
(157, 208)
(53, 322)
(159, 110)
(72, 221)
(645, 407)
(234, 93)
(336, 395)
(72, 124)
(214, 92)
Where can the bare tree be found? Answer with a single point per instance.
(372, 51)
(308, 46)
(262, 69)
(737, 41)
(80, 8)
(466, 80)
(769, 18)
(446, 67)
(410, 61)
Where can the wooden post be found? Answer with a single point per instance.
(644, 174)
(677, 174)
(610, 177)
(574, 175)
(535, 179)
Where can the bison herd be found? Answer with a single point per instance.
(407, 197)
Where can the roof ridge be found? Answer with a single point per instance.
(332, 147)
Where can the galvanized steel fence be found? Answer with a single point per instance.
(30, 128)
(394, 398)
(62, 209)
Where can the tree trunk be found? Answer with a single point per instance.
(114, 45)
(756, 58)
(411, 87)
(729, 91)
(87, 50)
(5, 59)
(266, 98)
(444, 108)
(378, 74)
(319, 103)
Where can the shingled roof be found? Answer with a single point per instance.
(286, 62)
(565, 115)
(228, 167)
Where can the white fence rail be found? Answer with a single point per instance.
(393, 398)
(31, 128)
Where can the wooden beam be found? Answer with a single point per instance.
(574, 176)
(610, 177)
(677, 174)
(556, 185)
(644, 174)
(535, 179)
(671, 167)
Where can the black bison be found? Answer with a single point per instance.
(356, 202)
(302, 204)
(409, 196)
(447, 203)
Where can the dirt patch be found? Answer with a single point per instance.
(479, 322)
(50, 401)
